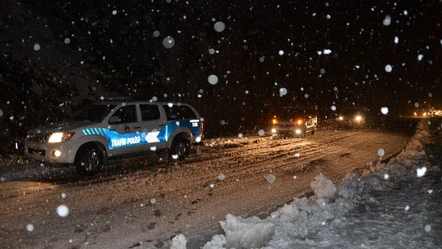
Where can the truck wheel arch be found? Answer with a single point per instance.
(99, 145)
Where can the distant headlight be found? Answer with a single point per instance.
(358, 118)
(298, 131)
(341, 118)
(273, 130)
(57, 137)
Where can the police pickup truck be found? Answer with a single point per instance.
(113, 129)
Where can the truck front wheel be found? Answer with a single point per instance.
(89, 160)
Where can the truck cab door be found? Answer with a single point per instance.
(153, 120)
(124, 136)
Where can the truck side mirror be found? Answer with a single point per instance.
(114, 119)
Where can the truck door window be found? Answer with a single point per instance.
(149, 112)
(179, 112)
(126, 114)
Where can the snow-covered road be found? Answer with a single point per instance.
(394, 205)
(145, 202)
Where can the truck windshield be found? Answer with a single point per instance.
(288, 113)
(94, 113)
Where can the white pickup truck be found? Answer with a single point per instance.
(114, 129)
(291, 122)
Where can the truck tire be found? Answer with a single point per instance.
(88, 160)
(179, 149)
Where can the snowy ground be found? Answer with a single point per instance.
(393, 205)
(144, 203)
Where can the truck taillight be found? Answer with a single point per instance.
(274, 121)
(299, 122)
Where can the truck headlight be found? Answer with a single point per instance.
(57, 137)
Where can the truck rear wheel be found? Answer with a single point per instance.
(179, 149)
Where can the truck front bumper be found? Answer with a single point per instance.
(56, 153)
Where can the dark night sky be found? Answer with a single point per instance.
(248, 60)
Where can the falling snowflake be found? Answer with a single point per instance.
(282, 91)
(270, 178)
(219, 26)
(62, 210)
(387, 20)
(427, 228)
(421, 171)
(213, 79)
(30, 227)
(36, 47)
(381, 152)
(168, 42)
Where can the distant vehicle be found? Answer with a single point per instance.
(292, 122)
(422, 113)
(436, 113)
(356, 120)
(114, 129)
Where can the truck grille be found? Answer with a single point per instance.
(39, 138)
(37, 152)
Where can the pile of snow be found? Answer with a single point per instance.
(296, 225)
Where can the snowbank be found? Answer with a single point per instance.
(297, 224)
